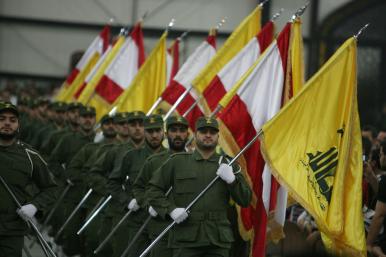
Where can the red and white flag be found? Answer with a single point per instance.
(183, 79)
(258, 98)
(237, 66)
(123, 68)
(173, 60)
(99, 45)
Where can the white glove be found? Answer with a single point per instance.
(152, 212)
(179, 215)
(133, 205)
(26, 212)
(225, 172)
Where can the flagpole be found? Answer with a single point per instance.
(73, 213)
(147, 250)
(94, 215)
(39, 235)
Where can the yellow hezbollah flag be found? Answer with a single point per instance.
(148, 84)
(89, 90)
(313, 146)
(246, 30)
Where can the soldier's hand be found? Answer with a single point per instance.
(133, 205)
(179, 215)
(26, 212)
(152, 212)
(225, 172)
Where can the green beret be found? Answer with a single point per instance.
(60, 106)
(174, 120)
(121, 116)
(74, 105)
(106, 118)
(87, 110)
(136, 115)
(6, 106)
(206, 122)
(153, 121)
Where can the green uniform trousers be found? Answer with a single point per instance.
(123, 237)
(203, 251)
(11, 246)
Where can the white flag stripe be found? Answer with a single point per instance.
(124, 67)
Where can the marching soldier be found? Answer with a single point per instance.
(205, 230)
(130, 131)
(124, 174)
(72, 120)
(177, 135)
(20, 166)
(60, 158)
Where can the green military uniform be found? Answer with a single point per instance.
(21, 166)
(49, 144)
(154, 162)
(59, 161)
(207, 230)
(130, 166)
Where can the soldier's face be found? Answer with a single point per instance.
(122, 128)
(154, 137)
(207, 138)
(73, 116)
(87, 122)
(108, 129)
(177, 137)
(136, 130)
(9, 124)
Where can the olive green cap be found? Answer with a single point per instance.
(121, 116)
(60, 106)
(106, 118)
(87, 110)
(6, 106)
(153, 121)
(176, 120)
(206, 122)
(136, 115)
(74, 105)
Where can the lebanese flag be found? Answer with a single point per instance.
(91, 74)
(258, 98)
(182, 81)
(237, 66)
(123, 68)
(99, 45)
(173, 60)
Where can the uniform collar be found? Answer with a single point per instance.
(198, 157)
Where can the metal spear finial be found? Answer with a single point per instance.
(360, 31)
(171, 24)
(277, 15)
(263, 3)
(300, 11)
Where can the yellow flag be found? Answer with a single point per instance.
(149, 82)
(89, 90)
(67, 95)
(247, 29)
(313, 146)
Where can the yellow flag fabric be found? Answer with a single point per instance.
(87, 94)
(246, 30)
(313, 146)
(70, 90)
(297, 57)
(148, 84)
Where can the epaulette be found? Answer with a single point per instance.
(156, 155)
(180, 153)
